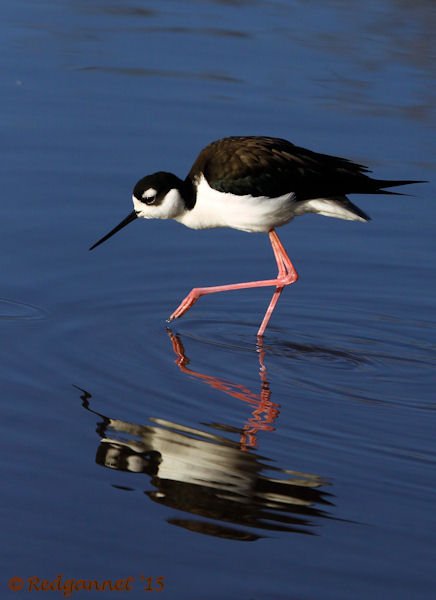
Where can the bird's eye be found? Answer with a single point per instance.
(149, 196)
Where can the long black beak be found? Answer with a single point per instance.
(131, 217)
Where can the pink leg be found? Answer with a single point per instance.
(286, 275)
(269, 311)
(286, 272)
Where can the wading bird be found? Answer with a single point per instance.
(254, 184)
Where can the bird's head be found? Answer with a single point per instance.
(156, 196)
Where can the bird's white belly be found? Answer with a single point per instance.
(247, 213)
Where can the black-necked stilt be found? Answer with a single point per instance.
(254, 184)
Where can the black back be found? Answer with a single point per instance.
(267, 166)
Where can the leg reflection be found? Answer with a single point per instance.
(264, 411)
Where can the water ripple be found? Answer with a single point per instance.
(12, 310)
(366, 357)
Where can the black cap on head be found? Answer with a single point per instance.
(160, 183)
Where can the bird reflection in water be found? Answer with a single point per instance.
(209, 476)
(264, 411)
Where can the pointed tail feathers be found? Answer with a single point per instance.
(380, 184)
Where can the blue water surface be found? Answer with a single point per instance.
(302, 467)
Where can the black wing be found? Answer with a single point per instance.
(267, 166)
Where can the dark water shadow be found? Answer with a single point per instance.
(161, 73)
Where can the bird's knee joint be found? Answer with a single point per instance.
(290, 278)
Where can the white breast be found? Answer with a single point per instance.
(247, 213)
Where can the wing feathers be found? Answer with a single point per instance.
(273, 166)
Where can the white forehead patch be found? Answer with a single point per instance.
(150, 193)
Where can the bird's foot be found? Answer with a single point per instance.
(185, 305)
